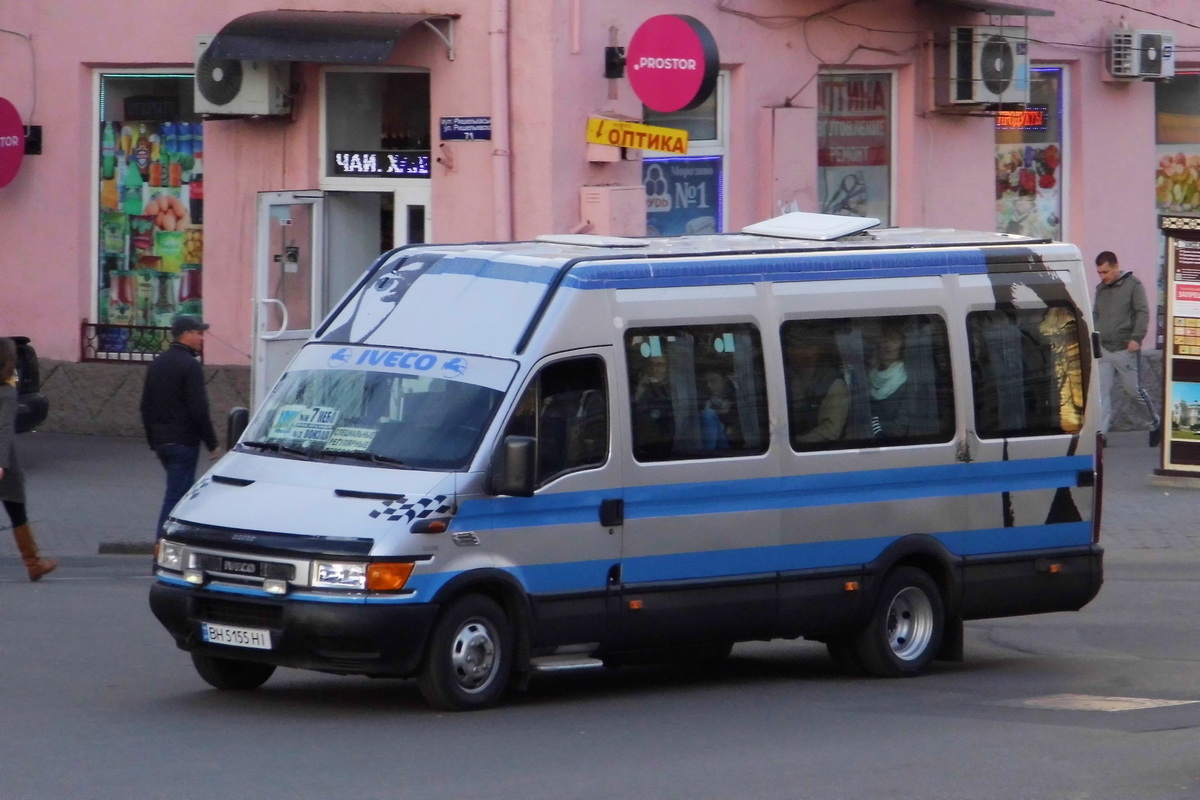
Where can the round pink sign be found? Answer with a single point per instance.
(12, 142)
(672, 62)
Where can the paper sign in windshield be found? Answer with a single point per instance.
(350, 439)
(304, 423)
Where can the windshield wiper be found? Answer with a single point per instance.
(275, 447)
(366, 455)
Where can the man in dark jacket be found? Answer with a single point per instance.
(175, 410)
(1122, 315)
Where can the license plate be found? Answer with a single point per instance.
(256, 638)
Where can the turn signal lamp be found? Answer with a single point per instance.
(388, 577)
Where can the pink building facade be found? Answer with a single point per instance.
(167, 183)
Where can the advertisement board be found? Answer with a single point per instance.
(1181, 357)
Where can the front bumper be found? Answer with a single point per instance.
(343, 638)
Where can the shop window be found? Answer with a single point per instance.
(1026, 374)
(867, 382)
(696, 392)
(1177, 179)
(686, 194)
(1029, 160)
(377, 124)
(854, 144)
(566, 409)
(150, 212)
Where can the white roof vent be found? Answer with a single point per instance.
(806, 225)
(591, 240)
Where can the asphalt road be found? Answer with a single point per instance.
(1098, 705)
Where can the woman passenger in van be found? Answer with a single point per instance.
(716, 415)
(818, 398)
(653, 415)
(889, 387)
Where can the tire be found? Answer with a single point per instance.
(842, 650)
(905, 631)
(231, 675)
(470, 656)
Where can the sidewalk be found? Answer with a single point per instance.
(101, 494)
(88, 493)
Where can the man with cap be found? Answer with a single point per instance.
(175, 410)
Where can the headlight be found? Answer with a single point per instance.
(339, 575)
(169, 555)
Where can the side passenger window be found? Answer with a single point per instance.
(696, 392)
(566, 409)
(1026, 371)
(867, 382)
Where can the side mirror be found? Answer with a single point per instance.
(514, 466)
(235, 425)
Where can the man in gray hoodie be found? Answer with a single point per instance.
(1122, 315)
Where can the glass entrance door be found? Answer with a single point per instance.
(289, 274)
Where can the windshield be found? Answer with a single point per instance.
(361, 405)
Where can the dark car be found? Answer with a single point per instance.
(32, 405)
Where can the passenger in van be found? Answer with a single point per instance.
(889, 387)
(653, 415)
(818, 398)
(717, 413)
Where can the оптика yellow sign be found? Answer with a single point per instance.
(636, 135)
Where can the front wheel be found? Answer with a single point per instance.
(230, 674)
(470, 656)
(905, 630)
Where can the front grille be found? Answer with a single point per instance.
(250, 568)
(233, 612)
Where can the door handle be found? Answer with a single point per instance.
(612, 512)
(283, 309)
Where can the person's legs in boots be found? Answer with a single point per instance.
(34, 564)
(180, 463)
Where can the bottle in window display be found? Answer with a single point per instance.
(108, 153)
(189, 291)
(132, 201)
(196, 191)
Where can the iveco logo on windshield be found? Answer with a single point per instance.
(398, 359)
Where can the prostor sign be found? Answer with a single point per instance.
(672, 62)
(12, 142)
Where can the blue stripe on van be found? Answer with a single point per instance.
(775, 268)
(495, 270)
(760, 494)
(582, 576)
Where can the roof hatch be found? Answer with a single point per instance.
(806, 225)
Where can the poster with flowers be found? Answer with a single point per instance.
(1028, 190)
(1029, 160)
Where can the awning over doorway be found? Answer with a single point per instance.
(988, 7)
(326, 37)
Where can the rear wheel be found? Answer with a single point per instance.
(470, 656)
(905, 630)
(230, 674)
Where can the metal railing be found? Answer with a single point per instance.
(101, 342)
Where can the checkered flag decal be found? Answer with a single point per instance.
(395, 510)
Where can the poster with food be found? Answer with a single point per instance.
(151, 200)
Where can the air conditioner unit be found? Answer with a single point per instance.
(229, 86)
(983, 65)
(1148, 55)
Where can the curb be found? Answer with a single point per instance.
(126, 548)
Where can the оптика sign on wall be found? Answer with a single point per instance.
(672, 62)
(12, 142)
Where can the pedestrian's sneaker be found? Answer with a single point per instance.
(1156, 435)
